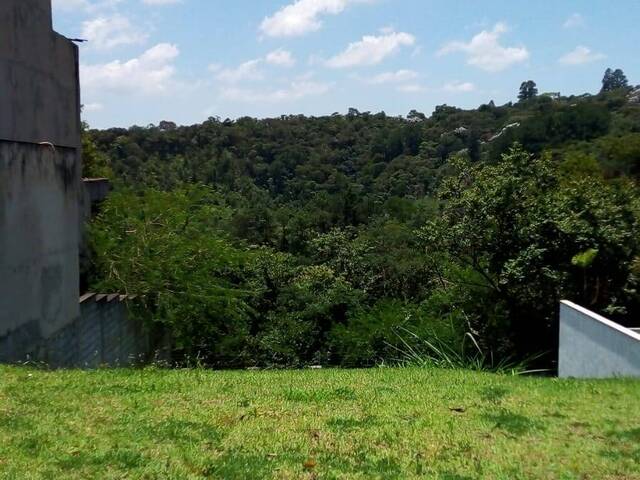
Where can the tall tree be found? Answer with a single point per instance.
(518, 230)
(613, 80)
(528, 90)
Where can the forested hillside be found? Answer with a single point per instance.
(363, 238)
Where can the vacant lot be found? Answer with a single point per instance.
(382, 423)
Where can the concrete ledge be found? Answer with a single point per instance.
(97, 189)
(86, 297)
(592, 346)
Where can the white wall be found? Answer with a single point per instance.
(592, 346)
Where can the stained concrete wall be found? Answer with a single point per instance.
(105, 334)
(39, 93)
(38, 244)
(592, 346)
(43, 205)
(40, 185)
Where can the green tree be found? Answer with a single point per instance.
(95, 163)
(169, 250)
(614, 80)
(514, 229)
(528, 90)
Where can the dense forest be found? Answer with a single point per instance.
(358, 239)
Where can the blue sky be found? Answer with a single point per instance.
(187, 60)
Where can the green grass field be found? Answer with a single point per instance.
(315, 424)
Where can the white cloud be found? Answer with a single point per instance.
(412, 88)
(280, 57)
(85, 5)
(250, 70)
(459, 87)
(399, 76)
(302, 16)
(245, 71)
(581, 55)
(109, 32)
(160, 2)
(485, 51)
(294, 91)
(404, 80)
(151, 73)
(575, 20)
(70, 4)
(92, 107)
(371, 50)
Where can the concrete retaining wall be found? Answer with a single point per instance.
(40, 187)
(104, 334)
(592, 346)
(107, 335)
(39, 235)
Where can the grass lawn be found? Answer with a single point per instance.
(315, 424)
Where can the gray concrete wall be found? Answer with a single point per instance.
(40, 185)
(104, 334)
(592, 346)
(43, 205)
(38, 244)
(39, 93)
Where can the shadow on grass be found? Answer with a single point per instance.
(453, 476)
(306, 396)
(364, 465)
(239, 465)
(342, 424)
(622, 453)
(118, 458)
(34, 443)
(632, 435)
(13, 423)
(184, 431)
(623, 445)
(174, 431)
(513, 423)
(493, 394)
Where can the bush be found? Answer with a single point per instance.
(517, 226)
(378, 334)
(168, 248)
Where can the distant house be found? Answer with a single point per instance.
(551, 95)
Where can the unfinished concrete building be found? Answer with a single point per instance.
(39, 178)
(42, 316)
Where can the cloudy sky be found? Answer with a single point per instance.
(186, 60)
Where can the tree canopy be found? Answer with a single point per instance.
(303, 240)
(528, 90)
(614, 80)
